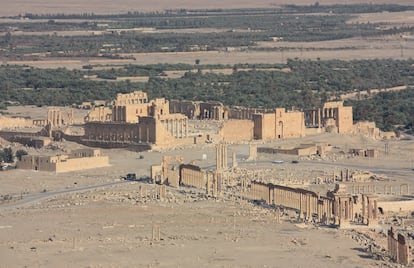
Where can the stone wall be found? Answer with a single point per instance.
(191, 109)
(9, 135)
(367, 129)
(264, 126)
(194, 176)
(64, 163)
(236, 131)
(82, 163)
(289, 124)
(99, 114)
(396, 206)
(345, 119)
(13, 123)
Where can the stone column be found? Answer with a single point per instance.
(234, 160)
(319, 118)
(313, 118)
(403, 253)
(181, 128)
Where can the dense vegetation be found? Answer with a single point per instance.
(387, 109)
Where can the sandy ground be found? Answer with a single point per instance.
(122, 6)
(237, 57)
(193, 233)
(112, 227)
(385, 47)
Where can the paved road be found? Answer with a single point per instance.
(37, 197)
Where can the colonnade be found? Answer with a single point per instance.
(306, 202)
(380, 188)
(343, 209)
(214, 113)
(316, 117)
(313, 118)
(54, 117)
(369, 210)
(192, 176)
(178, 128)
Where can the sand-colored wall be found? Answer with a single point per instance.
(192, 176)
(366, 128)
(396, 206)
(264, 126)
(345, 119)
(236, 131)
(11, 123)
(61, 163)
(99, 114)
(162, 136)
(313, 131)
(41, 163)
(82, 163)
(289, 124)
(189, 108)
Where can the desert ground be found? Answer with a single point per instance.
(56, 220)
(123, 6)
(361, 50)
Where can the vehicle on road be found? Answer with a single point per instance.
(130, 177)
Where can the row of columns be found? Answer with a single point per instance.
(213, 184)
(324, 210)
(330, 112)
(369, 210)
(260, 191)
(398, 247)
(343, 209)
(306, 203)
(119, 114)
(178, 128)
(54, 117)
(386, 189)
(221, 157)
(215, 113)
(191, 177)
(315, 118)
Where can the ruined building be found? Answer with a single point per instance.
(278, 123)
(76, 160)
(333, 116)
(137, 120)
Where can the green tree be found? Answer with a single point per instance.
(6, 155)
(20, 153)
